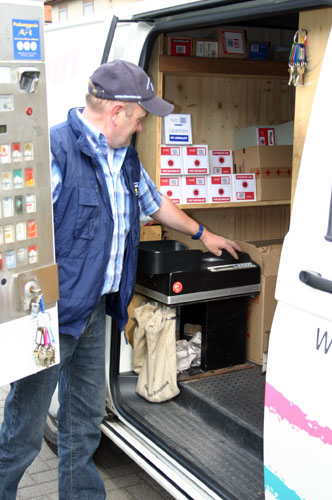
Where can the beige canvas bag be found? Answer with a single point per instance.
(141, 315)
(157, 379)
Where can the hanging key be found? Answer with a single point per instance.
(50, 355)
(301, 71)
(291, 73)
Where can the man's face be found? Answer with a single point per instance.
(129, 121)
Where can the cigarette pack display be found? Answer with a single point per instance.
(206, 48)
(244, 187)
(232, 44)
(221, 161)
(195, 189)
(172, 188)
(171, 160)
(220, 188)
(196, 159)
(179, 46)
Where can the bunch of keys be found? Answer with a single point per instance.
(297, 59)
(45, 344)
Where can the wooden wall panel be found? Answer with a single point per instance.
(318, 24)
(220, 105)
(247, 223)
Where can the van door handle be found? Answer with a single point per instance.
(315, 280)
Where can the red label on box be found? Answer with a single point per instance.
(192, 181)
(170, 151)
(180, 46)
(220, 153)
(194, 151)
(265, 137)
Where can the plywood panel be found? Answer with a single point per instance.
(248, 223)
(148, 142)
(220, 105)
(318, 24)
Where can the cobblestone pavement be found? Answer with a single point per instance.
(123, 478)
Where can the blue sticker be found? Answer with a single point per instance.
(26, 39)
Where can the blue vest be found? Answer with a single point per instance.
(83, 228)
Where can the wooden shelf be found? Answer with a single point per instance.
(238, 204)
(201, 66)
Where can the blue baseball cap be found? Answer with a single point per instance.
(121, 80)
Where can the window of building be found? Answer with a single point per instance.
(63, 12)
(87, 7)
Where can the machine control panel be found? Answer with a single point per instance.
(28, 272)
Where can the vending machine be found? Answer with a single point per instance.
(29, 339)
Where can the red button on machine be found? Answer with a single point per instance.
(28, 111)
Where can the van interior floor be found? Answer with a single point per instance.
(215, 425)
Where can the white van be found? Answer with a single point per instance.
(214, 440)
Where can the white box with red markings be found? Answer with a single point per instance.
(196, 159)
(171, 160)
(172, 188)
(220, 188)
(221, 161)
(195, 189)
(244, 187)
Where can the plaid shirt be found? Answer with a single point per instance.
(149, 198)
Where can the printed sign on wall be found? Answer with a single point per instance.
(26, 39)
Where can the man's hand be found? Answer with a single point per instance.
(215, 244)
(171, 216)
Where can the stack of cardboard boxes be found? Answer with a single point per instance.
(194, 174)
(259, 169)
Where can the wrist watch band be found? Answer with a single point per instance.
(199, 233)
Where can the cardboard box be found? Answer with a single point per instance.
(172, 188)
(244, 187)
(177, 129)
(273, 169)
(280, 53)
(221, 161)
(232, 43)
(179, 46)
(206, 48)
(264, 135)
(195, 189)
(220, 188)
(261, 308)
(196, 159)
(171, 160)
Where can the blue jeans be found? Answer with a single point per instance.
(81, 377)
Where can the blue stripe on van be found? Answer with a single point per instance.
(277, 487)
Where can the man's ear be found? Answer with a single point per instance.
(115, 112)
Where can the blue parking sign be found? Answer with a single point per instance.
(26, 39)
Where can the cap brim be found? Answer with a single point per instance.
(157, 106)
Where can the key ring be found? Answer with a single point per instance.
(296, 36)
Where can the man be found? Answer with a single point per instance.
(100, 191)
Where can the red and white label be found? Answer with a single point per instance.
(177, 287)
(244, 187)
(266, 136)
